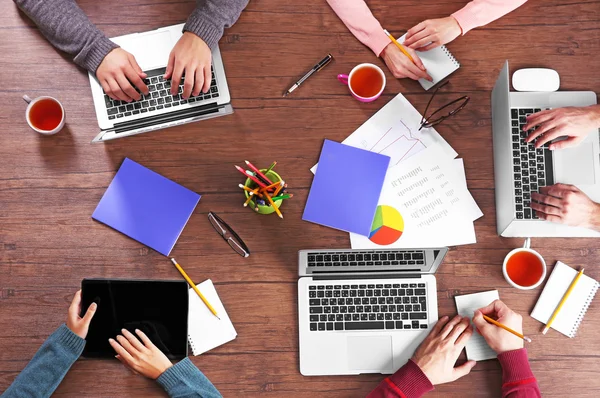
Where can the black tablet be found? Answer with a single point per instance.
(157, 308)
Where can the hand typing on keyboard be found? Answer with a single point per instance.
(439, 351)
(575, 123)
(117, 72)
(191, 57)
(566, 204)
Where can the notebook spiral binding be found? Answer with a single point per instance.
(191, 344)
(451, 56)
(588, 301)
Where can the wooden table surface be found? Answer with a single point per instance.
(49, 187)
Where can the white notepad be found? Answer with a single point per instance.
(477, 348)
(205, 331)
(439, 63)
(570, 316)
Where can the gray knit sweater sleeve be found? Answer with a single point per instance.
(66, 26)
(211, 17)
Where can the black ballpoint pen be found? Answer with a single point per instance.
(308, 74)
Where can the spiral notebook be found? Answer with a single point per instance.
(570, 316)
(206, 331)
(439, 62)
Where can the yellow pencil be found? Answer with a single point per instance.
(400, 46)
(279, 188)
(562, 302)
(274, 206)
(519, 335)
(189, 281)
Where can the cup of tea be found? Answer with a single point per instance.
(524, 268)
(45, 114)
(365, 81)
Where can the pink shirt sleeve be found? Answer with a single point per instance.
(482, 12)
(358, 18)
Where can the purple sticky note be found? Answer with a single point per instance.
(146, 206)
(346, 188)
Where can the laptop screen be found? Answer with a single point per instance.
(157, 308)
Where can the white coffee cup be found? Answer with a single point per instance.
(31, 103)
(526, 248)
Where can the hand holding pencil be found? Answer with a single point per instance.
(403, 61)
(500, 338)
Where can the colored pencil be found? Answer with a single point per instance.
(274, 206)
(257, 171)
(519, 335)
(272, 166)
(283, 197)
(245, 188)
(191, 283)
(400, 46)
(562, 302)
(256, 180)
(253, 174)
(282, 183)
(250, 196)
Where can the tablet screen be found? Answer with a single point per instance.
(157, 308)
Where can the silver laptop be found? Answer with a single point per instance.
(364, 311)
(520, 168)
(159, 109)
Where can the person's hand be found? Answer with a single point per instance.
(117, 72)
(77, 324)
(401, 66)
(192, 56)
(437, 354)
(575, 123)
(432, 33)
(144, 359)
(497, 338)
(566, 204)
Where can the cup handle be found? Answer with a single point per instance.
(26, 98)
(527, 243)
(343, 79)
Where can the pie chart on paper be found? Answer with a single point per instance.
(387, 227)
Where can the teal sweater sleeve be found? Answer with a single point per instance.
(50, 364)
(184, 380)
(47, 368)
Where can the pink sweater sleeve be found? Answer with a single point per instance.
(482, 12)
(408, 382)
(518, 380)
(358, 18)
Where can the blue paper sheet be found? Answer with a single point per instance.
(346, 188)
(146, 206)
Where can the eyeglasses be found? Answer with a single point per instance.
(443, 113)
(228, 235)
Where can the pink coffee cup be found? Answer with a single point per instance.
(361, 79)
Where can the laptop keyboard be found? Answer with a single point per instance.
(367, 307)
(532, 168)
(159, 97)
(365, 258)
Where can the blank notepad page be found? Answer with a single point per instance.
(477, 348)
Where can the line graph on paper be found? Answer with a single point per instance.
(398, 142)
(394, 131)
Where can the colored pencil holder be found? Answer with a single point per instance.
(272, 176)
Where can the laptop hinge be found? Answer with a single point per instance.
(354, 276)
(207, 109)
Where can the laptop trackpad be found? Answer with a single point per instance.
(575, 165)
(370, 353)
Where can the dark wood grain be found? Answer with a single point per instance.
(49, 187)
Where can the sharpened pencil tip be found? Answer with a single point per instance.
(285, 94)
(218, 317)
